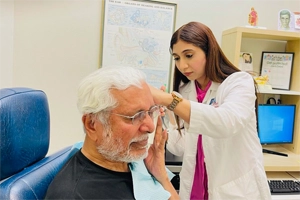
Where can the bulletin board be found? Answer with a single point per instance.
(137, 34)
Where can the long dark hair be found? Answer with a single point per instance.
(217, 68)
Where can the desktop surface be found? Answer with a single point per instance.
(293, 176)
(277, 163)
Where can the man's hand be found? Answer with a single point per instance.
(155, 161)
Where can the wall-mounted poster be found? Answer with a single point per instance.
(137, 34)
(278, 67)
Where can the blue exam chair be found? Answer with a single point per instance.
(25, 172)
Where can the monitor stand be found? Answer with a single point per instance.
(274, 152)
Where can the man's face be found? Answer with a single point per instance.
(123, 141)
(285, 20)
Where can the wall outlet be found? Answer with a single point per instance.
(277, 98)
(267, 96)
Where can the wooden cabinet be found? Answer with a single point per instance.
(232, 45)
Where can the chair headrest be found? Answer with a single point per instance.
(24, 129)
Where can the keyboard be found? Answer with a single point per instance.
(284, 186)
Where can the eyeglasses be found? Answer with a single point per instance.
(139, 117)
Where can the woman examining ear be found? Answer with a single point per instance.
(215, 106)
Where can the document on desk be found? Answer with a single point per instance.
(285, 197)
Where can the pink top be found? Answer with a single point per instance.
(199, 188)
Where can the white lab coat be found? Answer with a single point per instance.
(233, 154)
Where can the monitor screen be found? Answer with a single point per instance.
(171, 159)
(276, 123)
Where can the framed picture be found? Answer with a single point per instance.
(246, 61)
(285, 20)
(278, 67)
(297, 20)
(137, 33)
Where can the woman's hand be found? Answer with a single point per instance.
(163, 88)
(160, 97)
(183, 109)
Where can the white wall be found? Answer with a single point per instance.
(220, 15)
(6, 42)
(53, 44)
(56, 44)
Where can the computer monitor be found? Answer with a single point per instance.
(276, 123)
(171, 159)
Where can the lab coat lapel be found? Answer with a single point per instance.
(188, 91)
(211, 93)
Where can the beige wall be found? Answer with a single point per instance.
(53, 44)
(6, 42)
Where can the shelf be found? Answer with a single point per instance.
(280, 176)
(284, 92)
(232, 44)
(263, 34)
(281, 163)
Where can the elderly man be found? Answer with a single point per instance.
(116, 161)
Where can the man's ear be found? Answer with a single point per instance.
(89, 124)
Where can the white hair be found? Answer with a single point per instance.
(94, 95)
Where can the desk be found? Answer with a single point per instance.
(282, 168)
(281, 163)
(296, 175)
(280, 176)
(285, 197)
(283, 176)
(270, 176)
